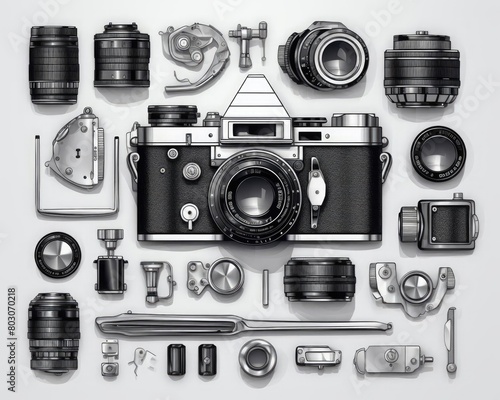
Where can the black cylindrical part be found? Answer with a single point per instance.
(121, 57)
(172, 115)
(54, 332)
(176, 359)
(207, 360)
(319, 279)
(54, 72)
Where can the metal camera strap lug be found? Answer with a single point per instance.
(187, 44)
(390, 359)
(317, 356)
(78, 158)
(225, 276)
(415, 291)
(189, 214)
(152, 270)
(386, 160)
(244, 36)
(110, 350)
(449, 340)
(316, 191)
(142, 356)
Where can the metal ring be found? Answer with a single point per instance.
(261, 369)
(224, 282)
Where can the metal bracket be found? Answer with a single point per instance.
(316, 191)
(79, 212)
(244, 36)
(187, 44)
(110, 350)
(225, 276)
(415, 291)
(449, 340)
(142, 356)
(390, 359)
(152, 269)
(317, 356)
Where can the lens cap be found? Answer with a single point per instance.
(438, 154)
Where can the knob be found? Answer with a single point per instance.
(409, 224)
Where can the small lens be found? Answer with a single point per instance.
(439, 153)
(339, 58)
(257, 358)
(255, 196)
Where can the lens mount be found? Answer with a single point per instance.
(438, 154)
(255, 197)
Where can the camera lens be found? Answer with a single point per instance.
(438, 154)
(54, 71)
(172, 115)
(422, 71)
(121, 57)
(325, 56)
(54, 332)
(320, 279)
(254, 197)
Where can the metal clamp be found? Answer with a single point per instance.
(390, 359)
(141, 357)
(225, 276)
(244, 36)
(110, 350)
(187, 44)
(316, 191)
(415, 291)
(449, 340)
(317, 356)
(152, 269)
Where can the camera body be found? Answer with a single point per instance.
(256, 175)
(440, 224)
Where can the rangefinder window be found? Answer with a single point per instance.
(256, 130)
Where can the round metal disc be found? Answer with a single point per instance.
(416, 287)
(57, 255)
(226, 276)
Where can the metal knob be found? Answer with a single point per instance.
(110, 238)
(409, 224)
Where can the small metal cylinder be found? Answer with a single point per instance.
(176, 359)
(207, 360)
(265, 287)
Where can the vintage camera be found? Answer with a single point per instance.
(440, 224)
(256, 175)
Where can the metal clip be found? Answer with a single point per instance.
(152, 269)
(317, 356)
(141, 356)
(110, 351)
(390, 359)
(187, 44)
(449, 340)
(316, 191)
(244, 36)
(386, 160)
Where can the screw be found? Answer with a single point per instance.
(315, 174)
(206, 360)
(434, 209)
(327, 136)
(434, 239)
(301, 360)
(68, 171)
(408, 369)
(162, 170)
(300, 351)
(192, 267)
(317, 192)
(429, 307)
(443, 276)
(84, 129)
(391, 289)
(413, 361)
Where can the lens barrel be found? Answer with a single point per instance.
(326, 56)
(422, 71)
(121, 57)
(172, 115)
(54, 72)
(320, 279)
(54, 332)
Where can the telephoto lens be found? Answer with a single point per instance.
(121, 57)
(320, 279)
(326, 56)
(422, 70)
(54, 72)
(54, 333)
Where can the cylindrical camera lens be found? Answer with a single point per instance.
(325, 56)
(121, 57)
(54, 72)
(54, 332)
(422, 70)
(320, 279)
(171, 115)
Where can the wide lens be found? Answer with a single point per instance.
(54, 72)
(54, 332)
(121, 57)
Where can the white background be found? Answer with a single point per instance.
(473, 28)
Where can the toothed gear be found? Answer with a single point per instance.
(100, 154)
